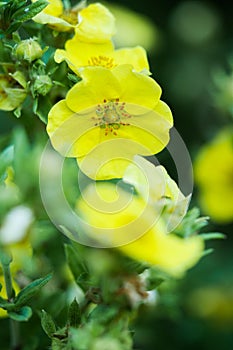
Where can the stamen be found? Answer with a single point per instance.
(110, 115)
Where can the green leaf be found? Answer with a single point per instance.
(22, 315)
(29, 291)
(48, 324)
(27, 12)
(74, 314)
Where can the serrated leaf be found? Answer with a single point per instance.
(74, 314)
(47, 324)
(29, 291)
(22, 315)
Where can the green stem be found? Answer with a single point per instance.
(8, 281)
(14, 325)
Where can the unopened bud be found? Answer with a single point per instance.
(28, 50)
(42, 84)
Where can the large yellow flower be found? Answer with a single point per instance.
(81, 54)
(107, 118)
(214, 176)
(95, 23)
(115, 218)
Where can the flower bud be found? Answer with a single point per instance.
(42, 84)
(28, 50)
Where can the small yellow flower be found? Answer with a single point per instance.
(12, 91)
(107, 118)
(214, 176)
(81, 54)
(95, 23)
(116, 218)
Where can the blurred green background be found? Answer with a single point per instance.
(190, 49)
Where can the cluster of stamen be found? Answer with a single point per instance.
(70, 16)
(102, 61)
(109, 116)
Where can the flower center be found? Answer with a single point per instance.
(109, 116)
(102, 61)
(70, 16)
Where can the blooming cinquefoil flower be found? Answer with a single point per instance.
(81, 54)
(95, 23)
(107, 118)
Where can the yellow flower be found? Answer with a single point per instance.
(214, 176)
(12, 91)
(3, 294)
(116, 218)
(81, 54)
(94, 23)
(107, 118)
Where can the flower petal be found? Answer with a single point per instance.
(65, 128)
(135, 56)
(96, 24)
(137, 89)
(98, 84)
(80, 54)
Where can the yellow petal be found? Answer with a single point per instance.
(170, 253)
(96, 24)
(65, 128)
(135, 56)
(137, 89)
(81, 54)
(120, 219)
(98, 84)
(54, 22)
(54, 8)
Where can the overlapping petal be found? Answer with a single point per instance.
(81, 54)
(136, 228)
